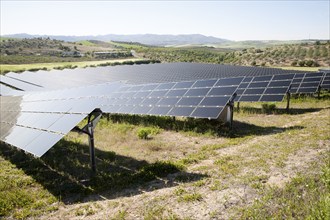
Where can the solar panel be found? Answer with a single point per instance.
(306, 83)
(326, 81)
(264, 88)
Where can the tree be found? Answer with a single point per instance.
(301, 63)
(294, 63)
(309, 63)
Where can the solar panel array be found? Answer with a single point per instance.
(42, 119)
(152, 73)
(54, 102)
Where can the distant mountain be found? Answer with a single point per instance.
(149, 39)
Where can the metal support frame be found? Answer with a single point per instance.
(238, 106)
(93, 119)
(288, 96)
(318, 92)
(231, 106)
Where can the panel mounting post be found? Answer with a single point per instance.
(288, 96)
(88, 129)
(231, 107)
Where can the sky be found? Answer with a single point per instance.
(233, 20)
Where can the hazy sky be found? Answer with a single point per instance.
(234, 20)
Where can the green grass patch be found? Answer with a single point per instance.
(306, 196)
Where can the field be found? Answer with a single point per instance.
(22, 67)
(271, 165)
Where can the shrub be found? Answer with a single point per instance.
(268, 108)
(144, 133)
(301, 63)
(294, 63)
(309, 63)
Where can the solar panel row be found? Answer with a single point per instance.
(42, 119)
(140, 74)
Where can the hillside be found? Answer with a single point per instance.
(43, 50)
(302, 54)
(149, 39)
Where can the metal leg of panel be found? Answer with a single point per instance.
(88, 129)
(288, 96)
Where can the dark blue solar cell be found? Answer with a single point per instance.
(307, 90)
(128, 95)
(250, 98)
(197, 92)
(316, 74)
(326, 86)
(168, 101)
(158, 93)
(178, 92)
(159, 110)
(126, 109)
(293, 90)
(295, 85)
(239, 91)
(262, 78)
(149, 87)
(283, 77)
(183, 85)
(214, 101)
(271, 98)
(205, 83)
(120, 101)
(312, 79)
(150, 101)
(141, 110)
(166, 86)
(134, 101)
(207, 112)
(247, 79)
(299, 75)
(223, 91)
(110, 108)
(181, 111)
(254, 91)
(229, 81)
(243, 85)
(276, 90)
(310, 84)
(297, 80)
(190, 101)
(258, 84)
(279, 83)
(142, 94)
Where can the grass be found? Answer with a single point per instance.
(312, 69)
(23, 67)
(305, 197)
